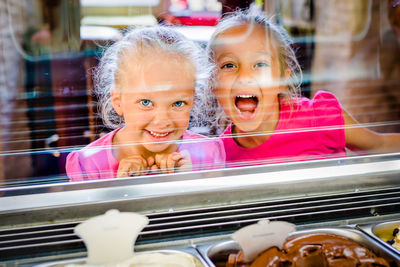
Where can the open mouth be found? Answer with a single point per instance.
(246, 104)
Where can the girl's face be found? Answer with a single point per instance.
(248, 77)
(156, 101)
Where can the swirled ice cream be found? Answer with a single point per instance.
(313, 249)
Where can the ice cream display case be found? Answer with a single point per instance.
(196, 212)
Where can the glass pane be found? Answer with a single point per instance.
(50, 51)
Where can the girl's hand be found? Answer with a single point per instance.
(166, 163)
(151, 162)
(170, 163)
(185, 163)
(132, 166)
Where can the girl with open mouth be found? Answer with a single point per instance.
(256, 89)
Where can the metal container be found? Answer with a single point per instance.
(191, 252)
(219, 252)
(37, 222)
(379, 230)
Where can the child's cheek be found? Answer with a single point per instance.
(265, 79)
(220, 93)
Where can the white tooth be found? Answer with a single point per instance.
(246, 96)
(157, 134)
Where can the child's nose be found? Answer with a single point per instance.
(244, 78)
(162, 118)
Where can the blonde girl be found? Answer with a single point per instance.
(149, 84)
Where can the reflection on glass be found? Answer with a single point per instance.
(193, 13)
(348, 53)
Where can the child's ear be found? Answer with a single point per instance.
(116, 101)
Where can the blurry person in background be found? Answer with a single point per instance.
(390, 57)
(13, 25)
(394, 16)
(59, 29)
(356, 57)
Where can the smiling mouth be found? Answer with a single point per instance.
(246, 104)
(158, 134)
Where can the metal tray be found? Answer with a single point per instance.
(191, 252)
(377, 229)
(220, 252)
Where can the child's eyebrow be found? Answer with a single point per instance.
(263, 53)
(227, 55)
(232, 56)
(181, 98)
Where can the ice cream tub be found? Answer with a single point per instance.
(217, 254)
(385, 233)
(188, 257)
(110, 242)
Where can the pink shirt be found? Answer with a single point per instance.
(310, 129)
(96, 160)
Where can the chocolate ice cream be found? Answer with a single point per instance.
(313, 249)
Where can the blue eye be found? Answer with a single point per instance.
(179, 104)
(262, 64)
(228, 66)
(146, 102)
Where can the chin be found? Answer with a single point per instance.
(157, 148)
(247, 126)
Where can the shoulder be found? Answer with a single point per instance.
(326, 103)
(323, 109)
(322, 104)
(103, 140)
(320, 99)
(201, 139)
(92, 148)
(100, 144)
(86, 160)
(199, 144)
(324, 96)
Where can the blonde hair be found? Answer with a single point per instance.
(281, 42)
(145, 41)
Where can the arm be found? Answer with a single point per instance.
(362, 138)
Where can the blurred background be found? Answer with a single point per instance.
(48, 49)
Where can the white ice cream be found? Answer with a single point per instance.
(110, 239)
